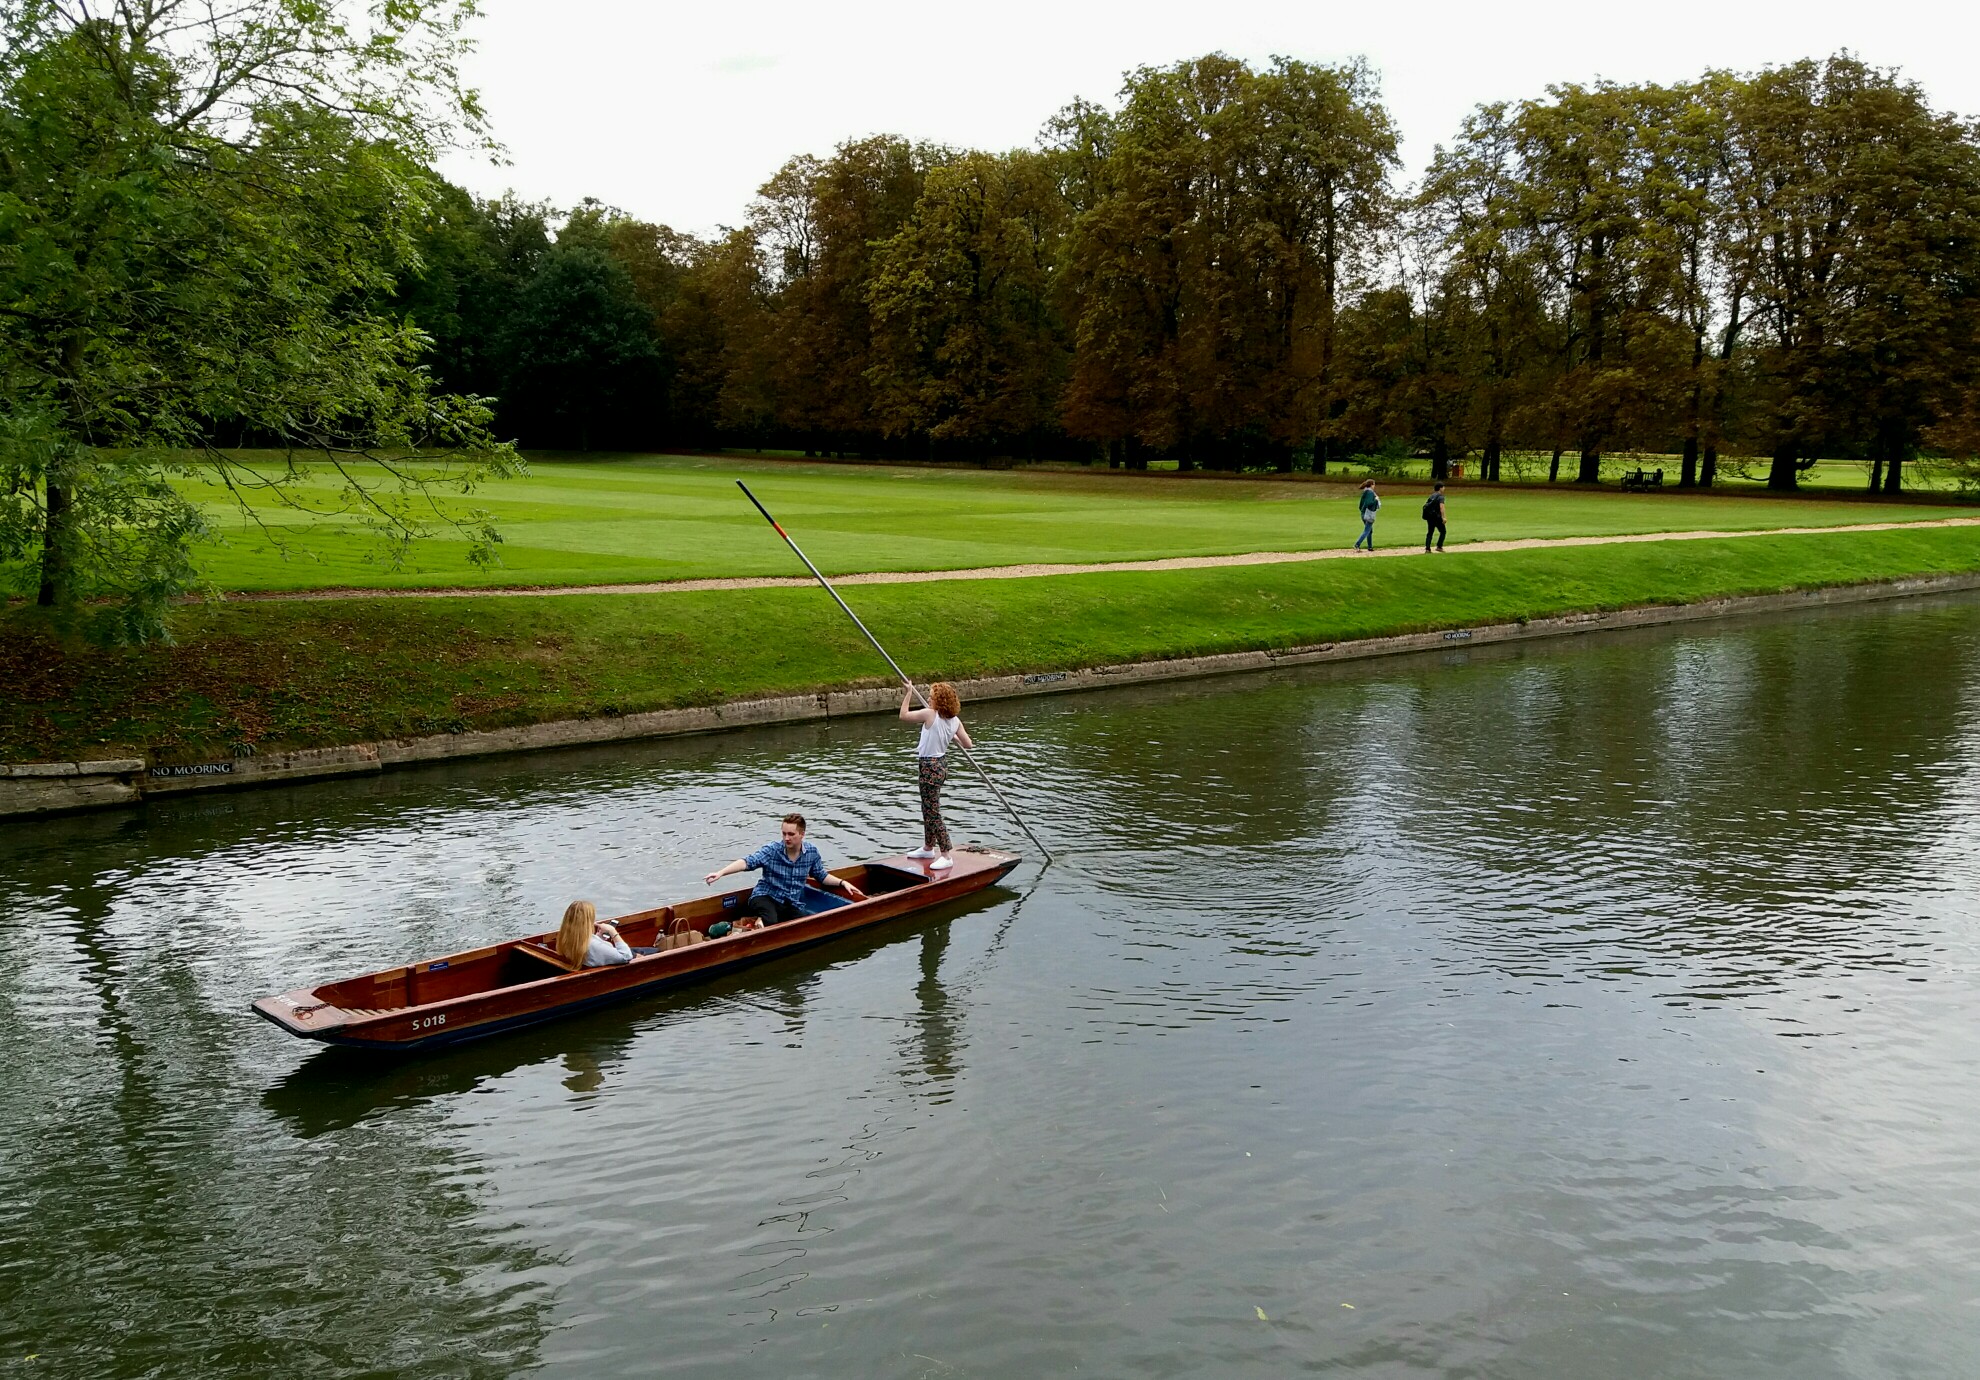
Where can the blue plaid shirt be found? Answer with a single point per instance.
(783, 877)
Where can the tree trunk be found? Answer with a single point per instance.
(57, 543)
(1320, 450)
(1890, 447)
(1783, 475)
(1877, 469)
(1708, 473)
(1488, 464)
(1688, 470)
(1591, 468)
(1440, 459)
(1554, 467)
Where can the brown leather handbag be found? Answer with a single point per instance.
(677, 933)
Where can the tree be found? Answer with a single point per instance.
(473, 259)
(1857, 213)
(581, 369)
(823, 223)
(1690, 285)
(201, 218)
(967, 345)
(1470, 205)
(1232, 211)
(1576, 151)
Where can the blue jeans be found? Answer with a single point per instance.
(1367, 536)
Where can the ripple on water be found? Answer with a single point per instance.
(1600, 1009)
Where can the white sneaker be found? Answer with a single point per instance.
(941, 863)
(922, 853)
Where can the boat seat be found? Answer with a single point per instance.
(817, 901)
(544, 954)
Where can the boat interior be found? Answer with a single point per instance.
(533, 958)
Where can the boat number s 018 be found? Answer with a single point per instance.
(428, 1022)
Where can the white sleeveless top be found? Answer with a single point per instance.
(936, 735)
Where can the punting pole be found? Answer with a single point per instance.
(916, 689)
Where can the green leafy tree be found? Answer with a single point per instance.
(822, 223)
(202, 214)
(1686, 138)
(722, 330)
(1469, 206)
(1857, 220)
(659, 262)
(967, 345)
(582, 368)
(473, 258)
(1230, 217)
(1577, 151)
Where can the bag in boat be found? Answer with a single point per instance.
(678, 934)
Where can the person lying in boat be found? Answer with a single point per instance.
(587, 941)
(786, 864)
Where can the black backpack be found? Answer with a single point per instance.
(1432, 508)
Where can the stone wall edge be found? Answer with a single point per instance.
(47, 788)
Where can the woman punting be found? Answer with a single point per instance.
(940, 726)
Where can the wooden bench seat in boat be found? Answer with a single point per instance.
(543, 953)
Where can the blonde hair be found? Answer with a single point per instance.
(944, 700)
(574, 936)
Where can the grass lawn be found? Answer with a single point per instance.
(309, 674)
(674, 517)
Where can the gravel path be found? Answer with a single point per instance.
(1021, 572)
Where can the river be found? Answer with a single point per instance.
(1596, 1008)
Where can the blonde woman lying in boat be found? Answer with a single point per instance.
(589, 942)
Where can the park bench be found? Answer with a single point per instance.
(1643, 479)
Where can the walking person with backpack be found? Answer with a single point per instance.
(1370, 503)
(1433, 519)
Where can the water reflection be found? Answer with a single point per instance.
(935, 1033)
(1595, 1008)
(149, 1225)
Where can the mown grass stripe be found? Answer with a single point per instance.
(319, 674)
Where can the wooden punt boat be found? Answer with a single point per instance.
(519, 982)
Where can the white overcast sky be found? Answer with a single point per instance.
(678, 112)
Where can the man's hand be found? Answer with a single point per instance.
(712, 878)
(853, 893)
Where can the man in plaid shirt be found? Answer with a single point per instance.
(786, 865)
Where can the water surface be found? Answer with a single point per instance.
(1590, 1009)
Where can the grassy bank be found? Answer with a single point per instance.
(675, 517)
(315, 674)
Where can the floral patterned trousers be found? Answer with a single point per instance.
(934, 833)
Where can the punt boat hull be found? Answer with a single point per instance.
(520, 982)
